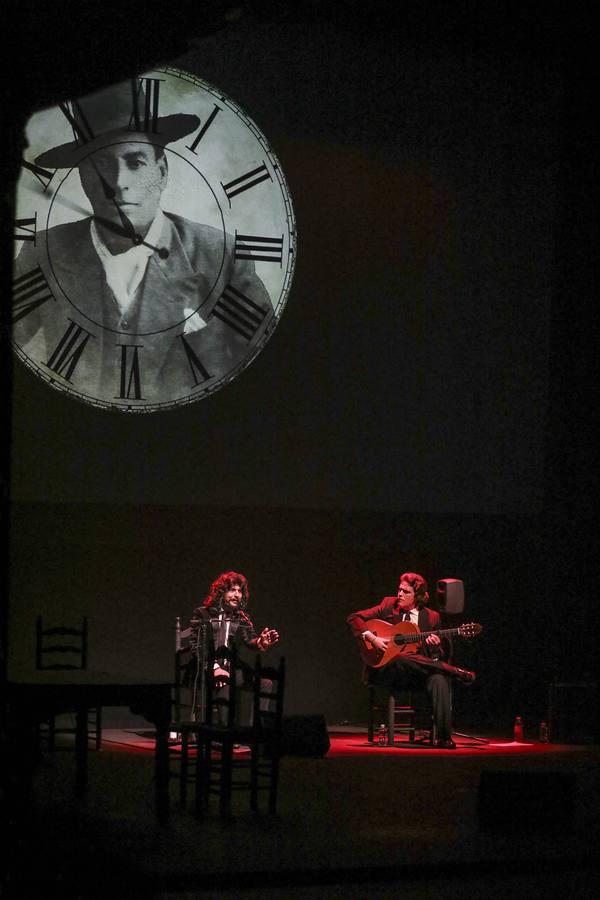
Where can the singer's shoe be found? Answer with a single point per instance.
(445, 744)
(465, 676)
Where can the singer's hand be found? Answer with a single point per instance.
(267, 638)
(221, 677)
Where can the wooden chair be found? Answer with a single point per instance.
(61, 647)
(398, 717)
(218, 771)
(401, 712)
(64, 648)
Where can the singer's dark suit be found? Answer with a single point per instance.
(241, 630)
(419, 670)
(241, 633)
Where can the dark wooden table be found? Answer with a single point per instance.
(47, 693)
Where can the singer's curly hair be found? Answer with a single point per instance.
(222, 584)
(419, 586)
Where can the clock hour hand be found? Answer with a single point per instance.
(108, 190)
(128, 229)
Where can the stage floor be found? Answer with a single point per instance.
(360, 820)
(352, 741)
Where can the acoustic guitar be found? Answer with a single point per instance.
(404, 637)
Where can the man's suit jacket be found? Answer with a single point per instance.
(429, 620)
(190, 280)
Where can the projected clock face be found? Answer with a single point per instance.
(154, 243)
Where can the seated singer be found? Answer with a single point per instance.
(230, 626)
(424, 665)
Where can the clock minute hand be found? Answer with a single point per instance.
(162, 251)
(130, 232)
(124, 231)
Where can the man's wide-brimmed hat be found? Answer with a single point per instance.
(109, 113)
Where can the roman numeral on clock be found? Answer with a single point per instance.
(44, 176)
(239, 312)
(195, 363)
(204, 128)
(245, 182)
(68, 351)
(30, 290)
(145, 118)
(79, 123)
(28, 227)
(254, 246)
(131, 383)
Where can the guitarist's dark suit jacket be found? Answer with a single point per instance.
(414, 669)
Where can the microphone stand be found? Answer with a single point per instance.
(202, 654)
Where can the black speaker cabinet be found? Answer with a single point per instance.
(526, 802)
(573, 713)
(451, 595)
(304, 736)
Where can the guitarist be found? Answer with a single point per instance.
(425, 668)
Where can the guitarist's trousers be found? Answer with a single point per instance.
(415, 672)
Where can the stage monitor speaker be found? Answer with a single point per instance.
(573, 713)
(304, 736)
(451, 595)
(517, 801)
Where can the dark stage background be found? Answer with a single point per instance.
(424, 403)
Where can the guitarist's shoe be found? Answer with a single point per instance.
(445, 744)
(465, 676)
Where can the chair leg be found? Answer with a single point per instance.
(254, 763)
(52, 732)
(98, 735)
(411, 733)
(370, 725)
(274, 783)
(226, 777)
(203, 773)
(183, 768)
(391, 719)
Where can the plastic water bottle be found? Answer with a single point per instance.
(544, 736)
(518, 730)
(382, 736)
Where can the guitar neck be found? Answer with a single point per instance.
(421, 635)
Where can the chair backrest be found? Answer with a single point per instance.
(190, 665)
(273, 694)
(61, 647)
(182, 707)
(182, 635)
